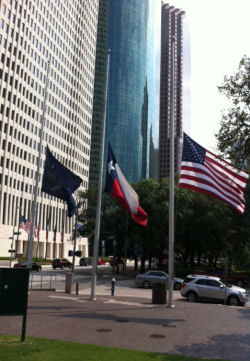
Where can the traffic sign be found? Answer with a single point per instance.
(17, 233)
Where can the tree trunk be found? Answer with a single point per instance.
(136, 263)
(142, 269)
(150, 263)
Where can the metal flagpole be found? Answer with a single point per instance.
(74, 245)
(99, 195)
(171, 185)
(34, 203)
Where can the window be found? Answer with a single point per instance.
(212, 283)
(200, 282)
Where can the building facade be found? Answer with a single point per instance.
(172, 25)
(99, 92)
(133, 36)
(34, 34)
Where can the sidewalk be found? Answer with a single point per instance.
(194, 329)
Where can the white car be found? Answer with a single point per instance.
(209, 288)
(146, 279)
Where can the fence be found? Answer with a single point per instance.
(47, 281)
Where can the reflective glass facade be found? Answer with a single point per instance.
(99, 92)
(133, 96)
(153, 80)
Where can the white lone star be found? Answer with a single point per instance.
(110, 166)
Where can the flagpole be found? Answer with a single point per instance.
(34, 203)
(99, 195)
(74, 244)
(171, 185)
(47, 228)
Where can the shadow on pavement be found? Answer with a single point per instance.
(110, 317)
(231, 347)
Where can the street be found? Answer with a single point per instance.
(125, 285)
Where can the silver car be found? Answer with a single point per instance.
(147, 278)
(211, 288)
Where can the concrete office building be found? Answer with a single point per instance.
(131, 30)
(33, 32)
(172, 25)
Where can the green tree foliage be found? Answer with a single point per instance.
(205, 228)
(234, 133)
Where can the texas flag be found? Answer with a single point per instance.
(118, 187)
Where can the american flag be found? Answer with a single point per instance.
(206, 173)
(26, 225)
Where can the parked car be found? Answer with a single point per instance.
(85, 261)
(34, 266)
(201, 287)
(238, 279)
(61, 263)
(101, 262)
(146, 279)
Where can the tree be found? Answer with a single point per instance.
(201, 227)
(205, 228)
(234, 132)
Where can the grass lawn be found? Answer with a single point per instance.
(40, 349)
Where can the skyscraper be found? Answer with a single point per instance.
(133, 37)
(99, 91)
(33, 34)
(172, 25)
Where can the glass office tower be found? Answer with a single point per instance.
(133, 96)
(153, 80)
(99, 92)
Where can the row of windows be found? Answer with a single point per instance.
(14, 204)
(30, 97)
(61, 14)
(35, 130)
(51, 46)
(21, 169)
(25, 140)
(81, 74)
(69, 96)
(42, 77)
(67, 35)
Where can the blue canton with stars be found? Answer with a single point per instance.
(192, 151)
(111, 174)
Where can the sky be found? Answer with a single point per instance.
(219, 32)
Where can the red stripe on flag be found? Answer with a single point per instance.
(116, 192)
(213, 176)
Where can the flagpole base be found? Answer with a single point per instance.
(170, 306)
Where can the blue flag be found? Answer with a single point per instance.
(60, 182)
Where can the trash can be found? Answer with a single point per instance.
(120, 267)
(159, 293)
(68, 282)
